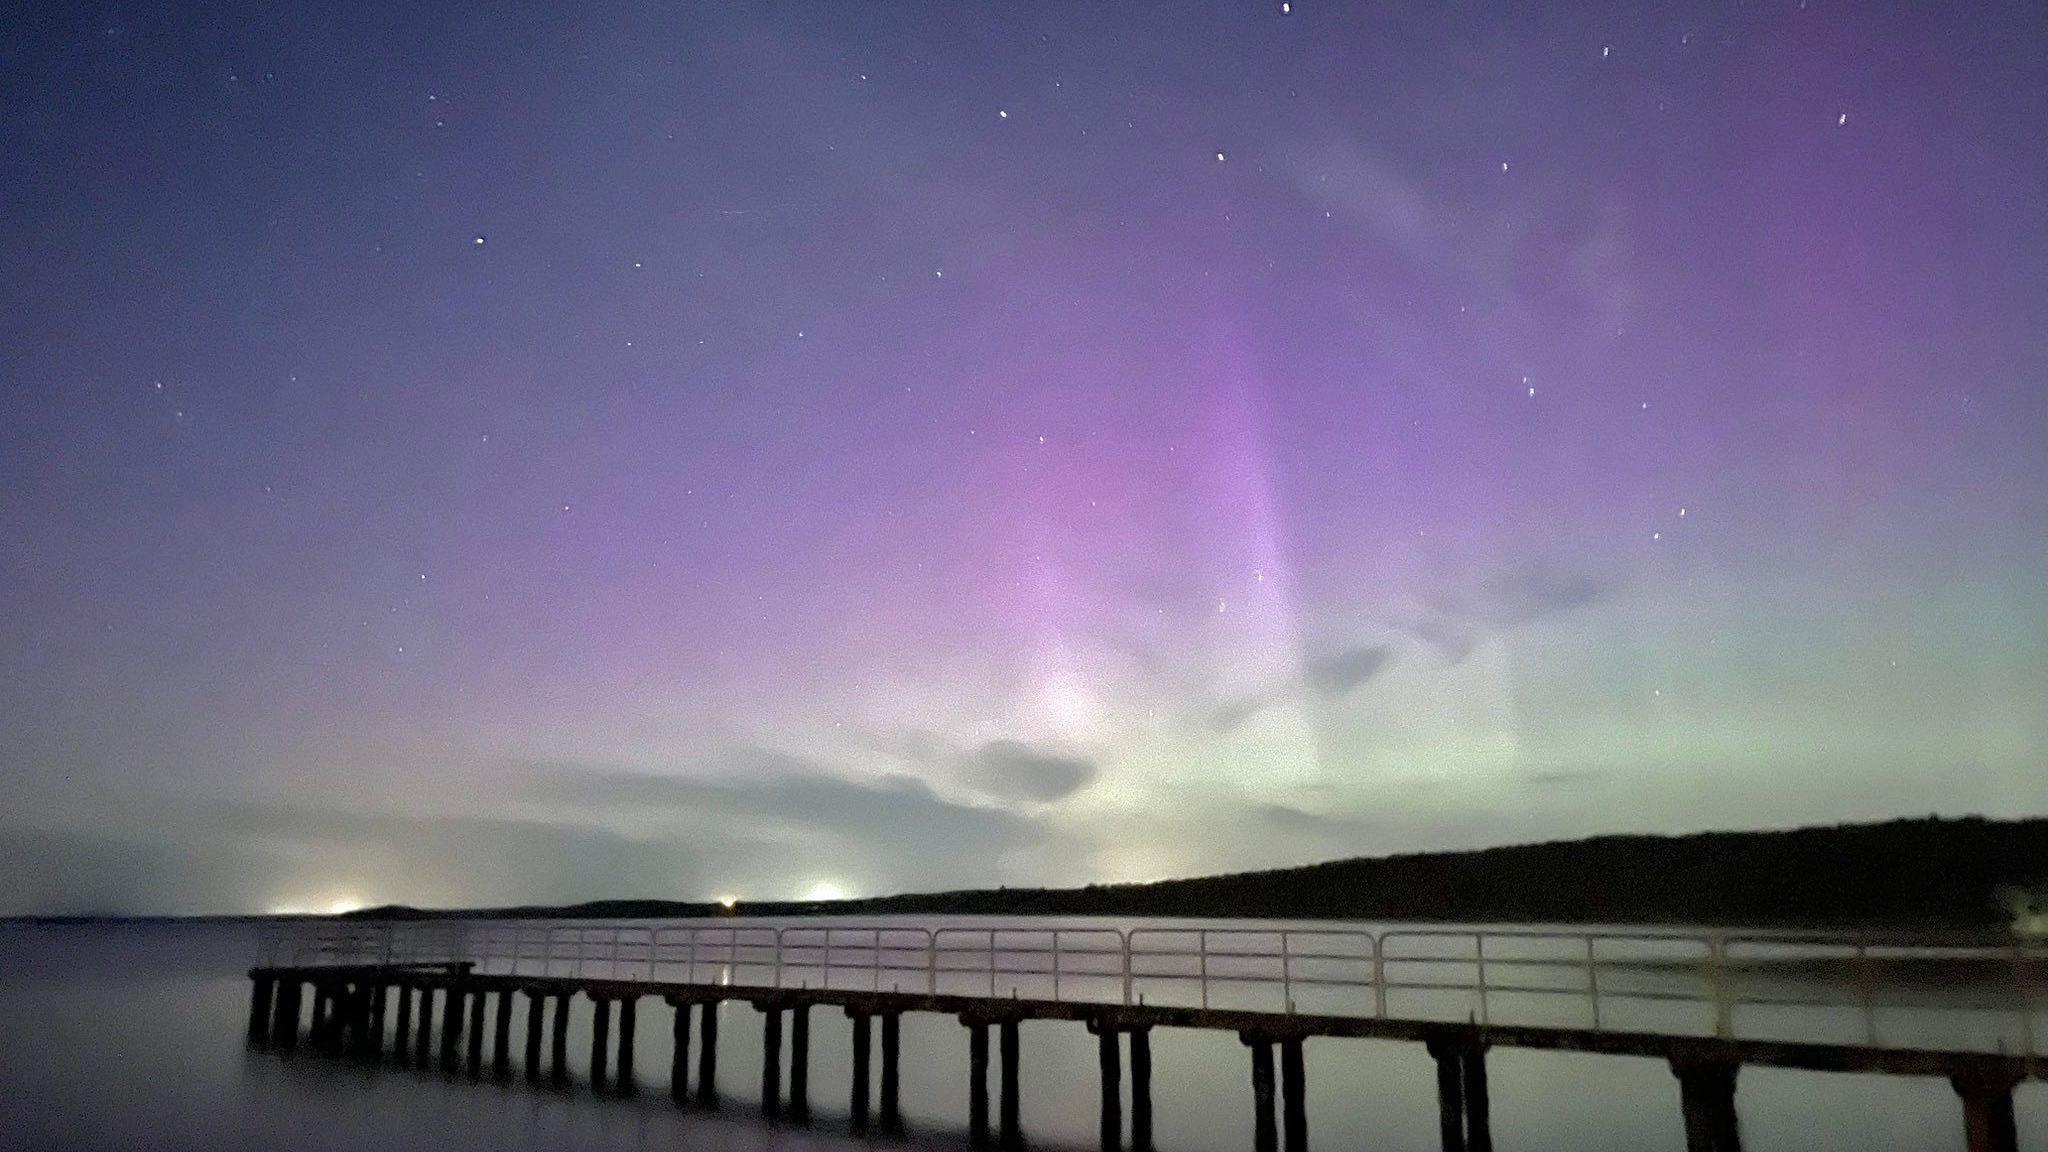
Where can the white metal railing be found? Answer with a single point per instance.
(1863, 989)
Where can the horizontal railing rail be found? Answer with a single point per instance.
(1868, 989)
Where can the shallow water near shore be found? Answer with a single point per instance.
(131, 1036)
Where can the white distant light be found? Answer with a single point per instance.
(477, 240)
(826, 890)
(727, 902)
(1841, 120)
(1002, 114)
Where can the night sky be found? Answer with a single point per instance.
(476, 454)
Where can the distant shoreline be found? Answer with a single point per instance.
(1969, 875)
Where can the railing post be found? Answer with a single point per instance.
(800, 1063)
(1202, 953)
(1286, 975)
(1479, 951)
(1055, 964)
(1724, 1025)
(1593, 982)
(1379, 975)
(931, 963)
(1124, 950)
(1141, 1089)
(1988, 1124)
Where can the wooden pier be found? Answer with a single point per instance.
(384, 1010)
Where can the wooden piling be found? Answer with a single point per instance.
(1293, 1096)
(1264, 1136)
(857, 1105)
(261, 990)
(600, 1041)
(1706, 1090)
(1011, 1128)
(800, 1063)
(424, 1043)
(380, 994)
(401, 1034)
(558, 1042)
(892, 1043)
(284, 1020)
(1109, 1066)
(501, 1036)
(1478, 1102)
(977, 1083)
(1141, 1089)
(679, 1054)
(628, 1017)
(1450, 1090)
(707, 1056)
(536, 1006)
(451, 1025)
(1988, 1124)
(476, 1033)
(316, 1033)
(771, 1060)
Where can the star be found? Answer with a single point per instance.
(1219, 157)
(477, 240)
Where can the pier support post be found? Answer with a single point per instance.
(476, 1033)
(1988, 1124)
(261, 989)
(284, 1020)
(1108, 1062)
(1478, 1099)
(771, 1060)
(316, 1032)
(977, 1083)
(1293, 1097)
(629, 1012)
(380, 999)
(1141, 1089)
(707, 1056)
(1264, 1137)
(373, 1022)
(451, 1025)
(501, 1036)
(600, 1041)
(857, 1105)
(423, 1047)
(401, 1034)
(679, 1054)
(1012, 1130)
(1450, 1089)
(800, 1063)
(892, 1044)
(536, 1004)
(558, 1041)
(1706, 1089)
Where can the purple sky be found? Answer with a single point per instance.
(456, 454)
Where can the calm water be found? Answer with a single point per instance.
(127, 1037)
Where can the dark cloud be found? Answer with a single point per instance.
(1327, 677)
(1014, 770)
(1341, 672)
(1565, 777)
(889, 832)
(1507, 600)
(1233, 712)
(1289, 820)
